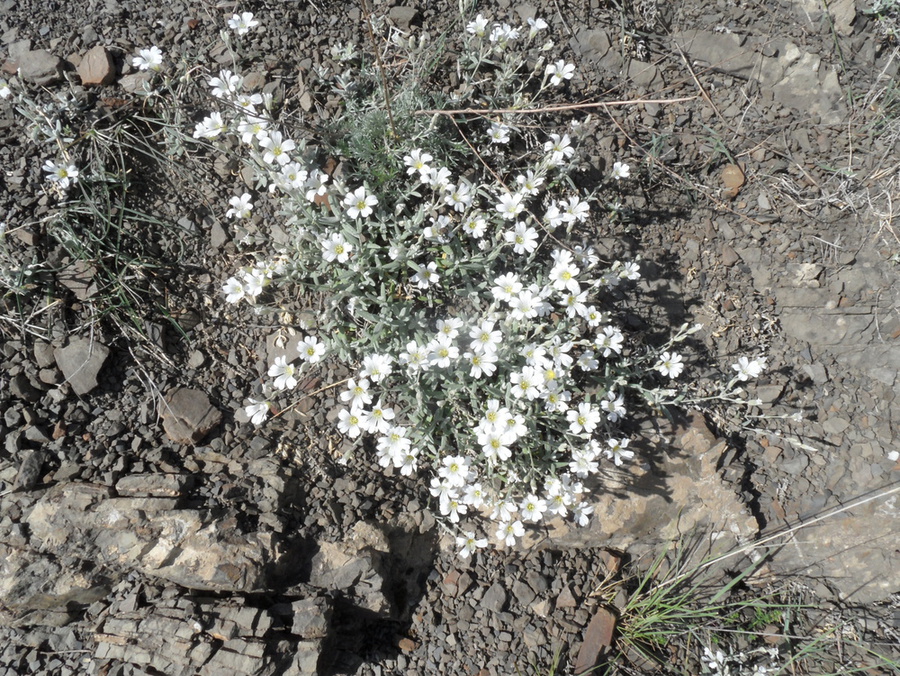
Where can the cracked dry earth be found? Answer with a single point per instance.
(146, 531)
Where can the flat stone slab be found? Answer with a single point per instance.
(40, 67)
(80, 361)
(854, 551)
(188, 415)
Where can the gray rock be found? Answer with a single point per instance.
(312, 618)
(82, 523)
(18, 49)
(188, 415)
(29, 470)
(153, 485)
(494, 598)
(97, 67)
(835, 425)
(855, 552)
(80, 362)
(135, 82)
(402, 16)
(40, 67)
(21, 387)
(591, 44)
(523, 593)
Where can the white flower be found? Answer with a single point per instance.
(242, 23)
(257, 411)
(469, 544)
(620, 170)
(426, 275)
(560, 71)
(449, 327)
(240, 207)
(283, 372)
(474, 226)
(610, 340)
(523, 238)
(614, 405)
(359, 203)
(357, 393)
(148, 59)
(395, 443)
(315, 185)
(563, 277)
(587, 361)
(454, 470)
(532, 508)
(459, 196)
(670, 364)
(453, 508)
(438, 179)
(5, 91)
(503, 33)
(376, 366)
(581, 513)
(350, 422)
(495, 444)
(504, 510)
(485, 338)
(478, 27)
(530, 183)
(311, 350)
(747, 368)
(508, 531)
(584, 419)
(535, 25)
(474, 495)
(408, 462)
(234, 290)
(277, 148)
(211, 126)
(482, 363)
(553, 217)
(226, 84)
(336, 248)
(555, 398)
(253, 128)
(254, 282)
(498, 133)
(61, 174)
(415, 356)
(506, 287)
(417, 161)
(630, 271)
(527, 383)
(442, 352)
(510, 205)
(248, 101)
(617, 451)
(576, 210)
(535, 355)
(378, 419)
(560, 148)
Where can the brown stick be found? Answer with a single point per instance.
(549, 109)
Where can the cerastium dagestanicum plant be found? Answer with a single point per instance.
(486, 341)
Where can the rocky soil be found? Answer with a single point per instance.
(146, 529)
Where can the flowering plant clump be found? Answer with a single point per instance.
(487, 348)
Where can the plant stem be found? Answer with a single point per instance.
(384, 84)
